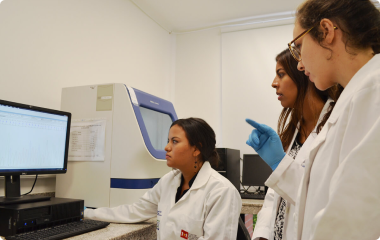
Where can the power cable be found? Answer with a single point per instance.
(35, 180)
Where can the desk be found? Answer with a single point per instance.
(251, 206)
(147, 230)
(137, 231)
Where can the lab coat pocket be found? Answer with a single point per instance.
(190, 228)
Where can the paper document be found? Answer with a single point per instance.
(87, 140)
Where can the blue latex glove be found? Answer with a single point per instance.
(266, 143)
(84, 208)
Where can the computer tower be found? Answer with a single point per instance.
(26, 217)
(255, 170)
(229, 165)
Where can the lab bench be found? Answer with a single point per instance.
(137, 231)
(147, 230)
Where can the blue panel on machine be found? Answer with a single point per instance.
(154, 116)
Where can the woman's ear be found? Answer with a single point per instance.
(196, 152)
(327, 28)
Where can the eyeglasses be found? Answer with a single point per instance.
(293, 49)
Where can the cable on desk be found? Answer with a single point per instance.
(35, 180)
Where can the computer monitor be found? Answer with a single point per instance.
(255, 170)
(33, 140)
(229, 165)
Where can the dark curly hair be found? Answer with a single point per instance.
(359, 20)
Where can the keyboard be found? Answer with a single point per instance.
(61, 231)
(252, 196)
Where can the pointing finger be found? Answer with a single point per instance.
(260, 127)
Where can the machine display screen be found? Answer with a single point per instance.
(157, 125)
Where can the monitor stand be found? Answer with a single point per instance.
(12, 193)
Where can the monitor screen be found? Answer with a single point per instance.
(154, 116)
(32, 140)
(157, 125)
(255, 170)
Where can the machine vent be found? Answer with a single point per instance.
(64, 211)
(36, 212)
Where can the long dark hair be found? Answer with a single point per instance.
(200, 135)
(359, 20)
(305, 87)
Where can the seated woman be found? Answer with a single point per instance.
(191, 202)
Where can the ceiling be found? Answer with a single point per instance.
(190, 15)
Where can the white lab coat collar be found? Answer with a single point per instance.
(293, 139)
(201, 179)
(352, 86)
(324, 110)
(321, 115)
(203, 176)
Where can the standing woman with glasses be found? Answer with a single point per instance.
(338, 41)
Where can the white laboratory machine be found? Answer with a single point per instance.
(136, 133)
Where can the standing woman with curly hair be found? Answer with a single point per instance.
(338, 41)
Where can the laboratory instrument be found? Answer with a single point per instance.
(136, 131)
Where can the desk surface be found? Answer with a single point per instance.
(147, 230)
(251, 206)
(137, 231)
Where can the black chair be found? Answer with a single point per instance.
(242, 233)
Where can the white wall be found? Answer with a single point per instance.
(248, 70)
(226, 77)
(198, 77)
(47, 45)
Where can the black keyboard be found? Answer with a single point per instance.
(252, 196)
(61, 231)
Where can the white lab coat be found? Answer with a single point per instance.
(209, 210)
(295, 168)
(339, 195)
